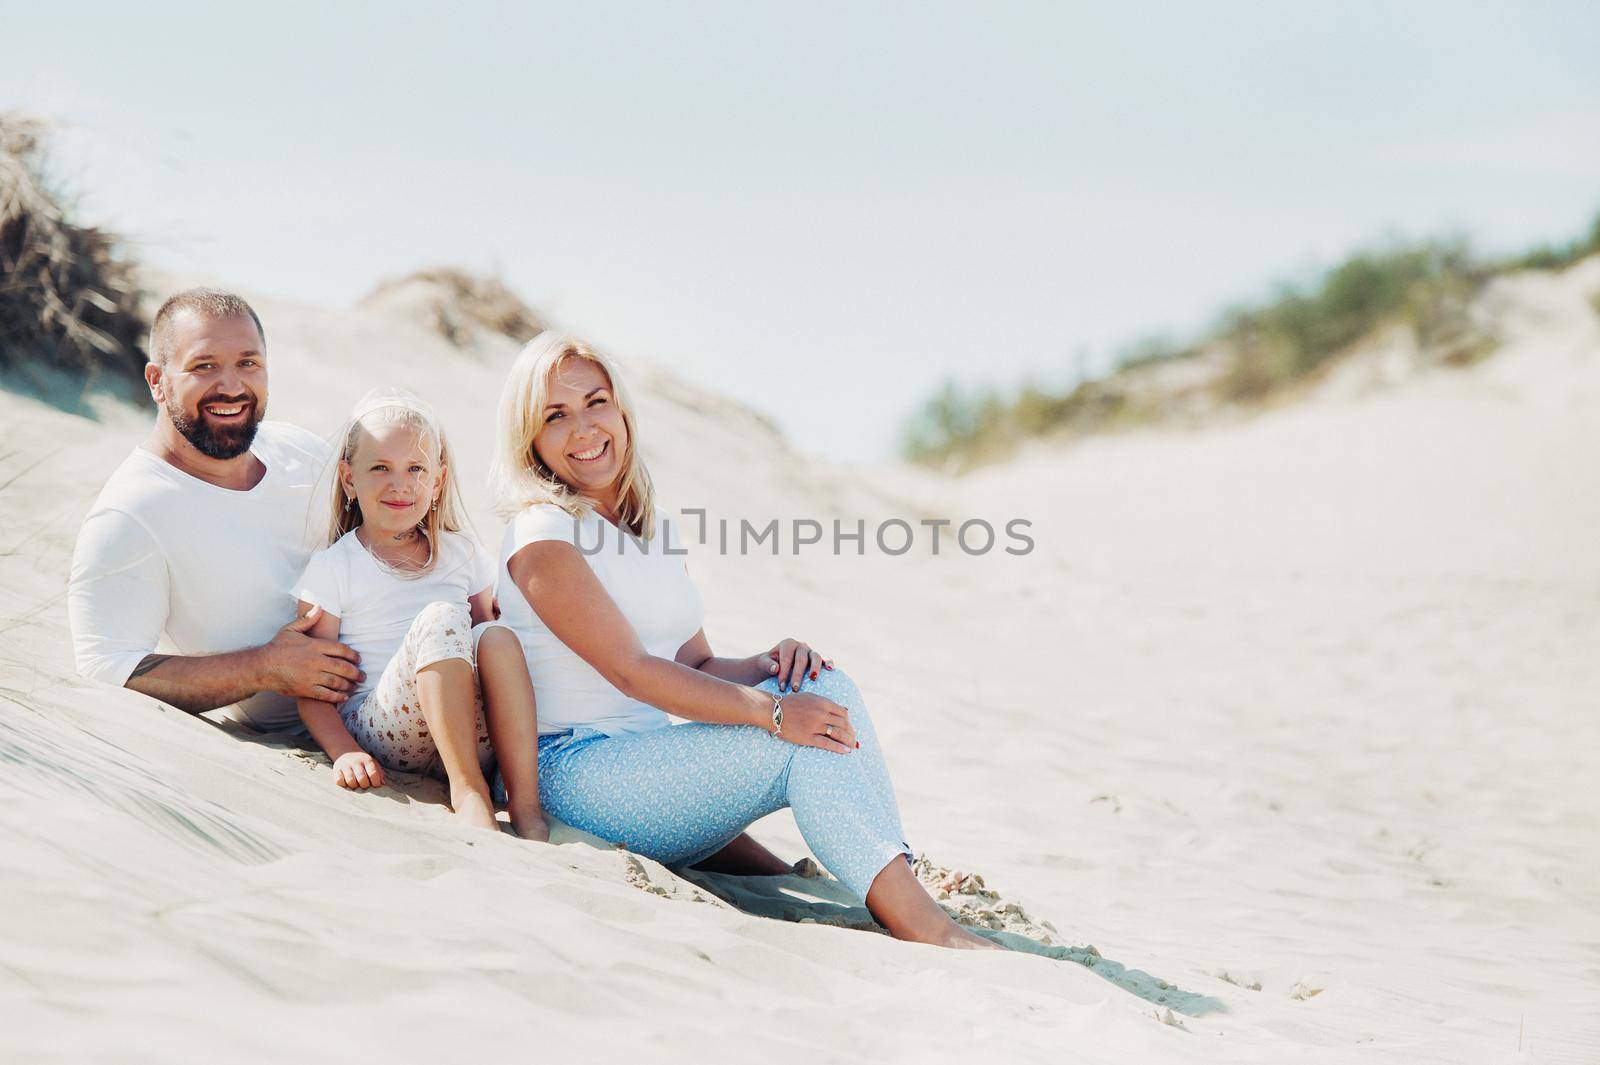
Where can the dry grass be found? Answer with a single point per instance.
(69, 304)
(456, 304)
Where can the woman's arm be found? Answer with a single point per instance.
(790, 661)
(354, 767)
(567, 596)
(696, 654)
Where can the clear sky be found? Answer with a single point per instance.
(822, 210)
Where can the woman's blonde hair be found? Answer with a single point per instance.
(386, 407)
(517, 479)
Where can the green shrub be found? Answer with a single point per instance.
(1427, 287)
(1151, 351)
(954, 422)
(1559, 256)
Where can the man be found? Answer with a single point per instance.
(183, 573)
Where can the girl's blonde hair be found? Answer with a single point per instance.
(517, 478)
(393, 406)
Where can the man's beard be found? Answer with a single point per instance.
(218, 442)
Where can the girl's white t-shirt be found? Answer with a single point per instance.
(376, 607)
(650, 585)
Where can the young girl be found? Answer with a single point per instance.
(402, 585)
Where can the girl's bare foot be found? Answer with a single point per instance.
(475, 808)
(529, 823)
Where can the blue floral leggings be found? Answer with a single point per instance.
(682, 793)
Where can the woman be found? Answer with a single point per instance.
(611, 625)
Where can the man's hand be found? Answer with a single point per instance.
(309, 667)
(358, 770)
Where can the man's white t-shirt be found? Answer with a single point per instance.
(649, 585)
(376, 606)
(168, 563)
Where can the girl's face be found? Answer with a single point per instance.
(582, 438)
(394, 477)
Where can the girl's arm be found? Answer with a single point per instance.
(567, 596)
(483, 606)
(354, 767)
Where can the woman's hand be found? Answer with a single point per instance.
(359, 770)
(809, 720)
(792, 661)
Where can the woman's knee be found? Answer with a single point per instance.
(837, 685)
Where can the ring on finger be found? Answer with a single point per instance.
(827, 730)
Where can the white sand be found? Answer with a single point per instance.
(1295, 721)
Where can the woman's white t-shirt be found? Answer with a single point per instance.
(376, 606)
(649, 583)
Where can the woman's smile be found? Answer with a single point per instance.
(583, 440)
(591, 455)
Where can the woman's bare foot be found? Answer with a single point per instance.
(475, 808)
(960, 938)
(901, 904)
(529, 823)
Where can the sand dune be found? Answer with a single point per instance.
(1293, 722)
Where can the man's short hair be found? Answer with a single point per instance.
(210, 303)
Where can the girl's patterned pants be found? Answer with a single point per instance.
(388, 723)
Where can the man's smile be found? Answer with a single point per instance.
(227, 412)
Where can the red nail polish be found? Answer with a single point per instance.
(858, 745)
(813, 674)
